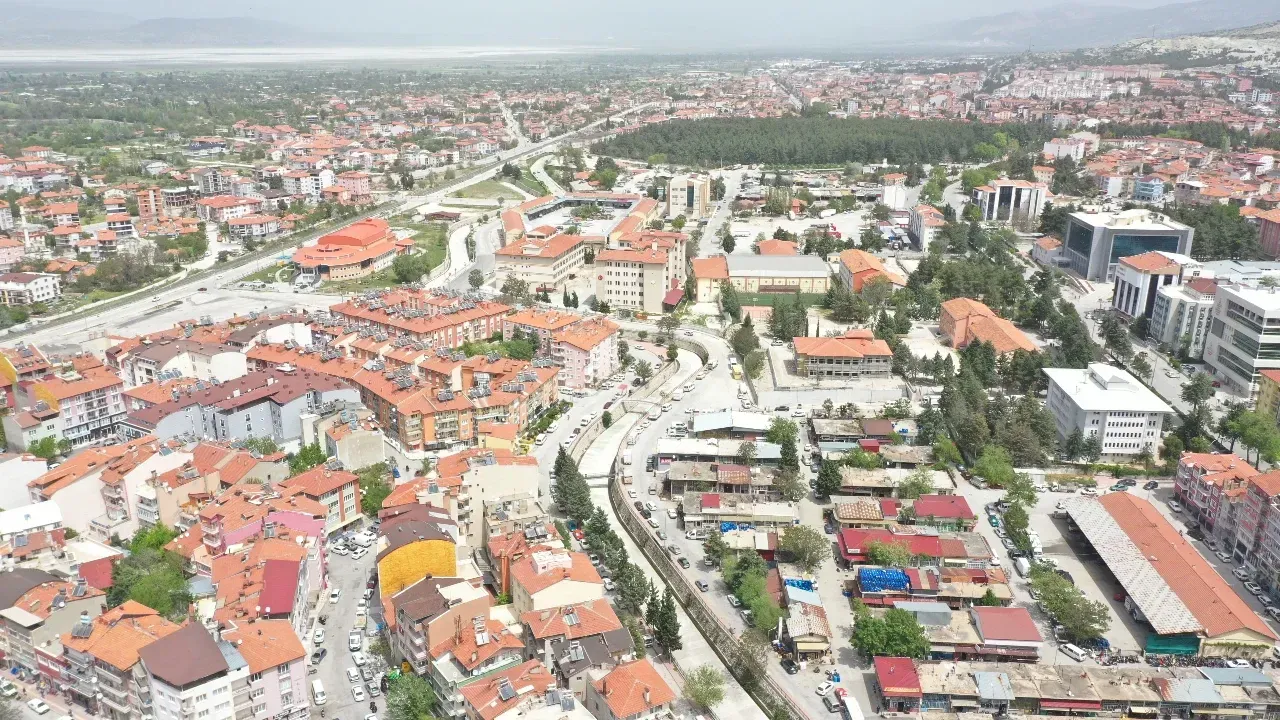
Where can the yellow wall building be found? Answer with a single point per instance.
(1269, 394)
(410, 550)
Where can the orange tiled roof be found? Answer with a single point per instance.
(626, 687)
(120, 633)
(593, 618)
(713, 268)
(1151, 262)
(266, 644)
(579, 569)
(852, 347)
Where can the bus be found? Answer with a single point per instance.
(851, 709)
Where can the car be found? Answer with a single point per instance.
(777, 343)
(683, 562)
(353, 674)
(828, 528)
(1274, 612)
(734, 601)
(1008, 544)
(595, 559)
(334, 594)
(671, 513)
(359, 553)
(1241, 573)
(1151, 485)
(357, 693)
(1000, 533)
(373, 690)
(354, 641)
(632, 494)
(782, 408)
(673, 549)
(1253, 588)
(666, 406)
(1089, 492)
(359, 659)
(203, 289)
(994, 520)
(341, 550)
(790, 666)
(688, 333)
(798, 413)
(653, 523)
(639, 506)
(1118, 488)
(8, 689)
(608, 405)
(608, 584)
(702, 585)
(366, 674)
(1174, 506)
(826, 687)
(1223, 555)
(1170, 374)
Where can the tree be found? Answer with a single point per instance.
(308, 457)
(896, 634)
(673, 353)
(644, 370)
(45, 448)
(789, 485)
(632, 588)
(728, 243)
(410, 267)
(1197, 391)
(988, 599)
(753, 364)
(1082, 619)
(704, 686)
(374, 488)
(261, 445)
(515, 289)
(475, 278)
(781, 431)
(790, 459)
(747, 451)
(410, 697)
(744, 339)
(714, 546)
(1141, 366)
(829, 481)
(606, 419)
(889, 554)
(994, 466)
(153, 577)
(808, 547)
(729, 301)
(919, 482)
(1092, 448)
(1020, 490)
(667, 632)
(1074, 445)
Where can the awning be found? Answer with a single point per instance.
(963, 703)
(1144, 711)
(673, 297)
(1237, 712)
(1072, 704)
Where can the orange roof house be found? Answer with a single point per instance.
(858, 267)
(857, 352)
(356, 251)
(965, 320)
(630, 690)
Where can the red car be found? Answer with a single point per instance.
(579, 535)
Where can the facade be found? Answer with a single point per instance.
(1096, 241)
(857, 268)
(1107, 402)
(1138, 280)
(1181, 315)
(1149, 189)
(964, 321)
(587, 352)
(1073, 148)
(708, 274)
(775, 273)
(690, 196)
(338, 490)
(1210, 487)
(925, 223)
(1258, 530)
(415, 541)
(855, 354)
(1268, 232)
(102, 672)
(1268, 403)
(546, 263)
(550, 578)
(893, 191)
(85, 399)
(1242, 341)
(358, 250)
(637, 280)
(1007, 200)
(29, 288)
(191, 676)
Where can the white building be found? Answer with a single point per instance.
(1182, 314)
(1073, 148)
(893, 191)
(1007, 200)
(925, 223)
(26, 288)
(690, 196)
(1106, 401)
(1244, 335)
(1140, 277)
(192, 676)
(1097, 241)
(634, 279)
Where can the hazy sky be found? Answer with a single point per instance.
(657, 23)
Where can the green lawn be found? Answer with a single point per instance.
(766, 299)
(429, 238)
(378, 280)
(266, 275)
(487, 190)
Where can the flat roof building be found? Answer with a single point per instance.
(1097, 241)
(1108, 402)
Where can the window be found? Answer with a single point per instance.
(255, 677)
(257, 693)
(261, 708)
(286, 698)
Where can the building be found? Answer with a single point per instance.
(190, 675)
(83, 401)
(855, 354)
(553, 578)
(1268, 402)
(578, 642)
(964, 321)
(708, 274)
(1211, 488)
(690, 196)
(710, 510)
(253, 227)
(638, 280)
(1257, 529)
(1097, 241)
(632, 691)
(336, 489)
(925, 224)
(778, 273)
(544, 263)
(26, 288)
(1240, 343)
(510, 694)
(893, 191)
(101, 655)
(1047, 251)
(586, 352)
(1149, 189)
(415, 541)
(358, 250)
(1138, 280)
(1110, 403)
(264, 403)
(37, 608)
(857, 268)
(277, 665)
(1189, 607)
(1074, 148)
(1008, 200)
(1181, 316)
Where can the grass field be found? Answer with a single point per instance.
(766, 299)
(429, 238)
(266, 275)
(487, 190)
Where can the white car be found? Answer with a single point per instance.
(39, 706)
(334, 594)
(340, 550)
(353, 675)
(357, 693)
(671, 513)
(1174, 506)
(632, 494)
(318, 636)
(359, 659)
(8, 689)
(825, 688)
(797, 412)
(608, 584)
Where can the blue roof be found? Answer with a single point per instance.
(1236, 676)
(1193, 690)
(924, 606)
(808, 597)
(993, 686)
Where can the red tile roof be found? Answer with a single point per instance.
(633, 688)
(1010, 624)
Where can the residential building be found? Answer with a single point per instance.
(1268, 402)
(277, 664)
(253, 227)
(1149, 189)
(1109, 403)
(586, 352)
(1009, 200)
(1182, 314)
(857, 268)
(212, 180)
(338, 490)
(1074, 148)
(632, 691)
(637, 280)
(925, 224)
(1268, 232)
(103, 673)
(193, 676)
(358, 250)
(170, 497)
(32, 535)
(6, 216)
(893, 191)
(945, 512)
(690, 196)
(760, 274)
(83, 398)
(964, 321)
(1241, 343)
(1047, 251)
(245, 511)
(855, 354)
(578, 642)
(26, 288)
(309, 183)
(37, 609)
(1097, 241)
(18, 469)
(544, 263)
(159, 358)
(265, 403)
(510, 694)
(773, 246)
(223, 208)
(553, 578)
(357, 184)
(539, 324)
(1210, 487)
(1258, 528)
(1138, 280)
(415, 541)
(353, 436)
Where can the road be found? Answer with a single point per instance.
(185, 291)
(347, 575)
(539, 169)
(710, 244)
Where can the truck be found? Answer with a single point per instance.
(1023, 566)
(626, 458)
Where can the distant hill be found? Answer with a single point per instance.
(27, 25)
(203, 32)
(1067, 27)
(1253, 45)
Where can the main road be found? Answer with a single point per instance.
(184, 291)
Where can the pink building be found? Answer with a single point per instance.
(587, 352)
(11, 252)
(1258, 519)
(240, 513)
(1269, 232)
(356, 184)
(1212, 487)
(278, 685)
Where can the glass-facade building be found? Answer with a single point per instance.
(1096, 241)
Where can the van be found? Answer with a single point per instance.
(1074, 652)
(654, 413)
(712, 365)
(626, 458)
(677, 395)
(317, 693)
(1022, 566)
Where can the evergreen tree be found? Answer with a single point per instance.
(667, 633)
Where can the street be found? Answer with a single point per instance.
(349, 577)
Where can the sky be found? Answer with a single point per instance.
(666, 24)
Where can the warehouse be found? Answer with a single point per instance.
(1189, 607)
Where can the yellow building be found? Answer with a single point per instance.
(1269, 394)
(416, 541)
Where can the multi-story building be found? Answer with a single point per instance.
(858, 267)
(338, 490)
(544, 263)
(39, 613)
(761, 274)
(587, 352)
(632, 691)
(925, 224)
(577, 642)
(86, 398)
(435, 320)
(1268, 402)
(1107, 402)
(1181, 315)
(638, 280)
(6, 216)
(308, 183)
(893, 191)
(1209, 486)
(690, 196)
(357, 184)
(549, 578)
(539, 324)
(252, 227)
(855, 354)
(277, 665)
(1244, 335)
(102, 671)
(1149, 189)
(1257, 535)
(519, 691)
(964, 321)
(26, 288)
(1138, 280)
(1006, 200)
(212, 181)
(221, 208)
(1097, 241)
(358, 250)
(150, 203)
(192, 676)
(1073, 148)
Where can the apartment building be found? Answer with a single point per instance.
(638, 280)
(577, 642)
(1210, 487)
(162, 357)
(1097, 241)
(586, 352)
(277, 664)
(1057, 148)
(690, 196)
(1181, 316)
(1008, 200)
(434, 319)
(893, 191)
(1138, 280)
(246, 511)
(338, 490)
(82, 400)
(25, 288)
(415, 540)
(38, 609)
(1149, 189)
(6, 216)
(1257, 535)
(212, 181)
(221, 208)
(519, 691)
(1107, 402)
(924, 225)
(205, 471)
(855, 354)
(1242, 340)
(103, 670)
(553, 578)
(253, 227)
(307, 183)
(632, 691)
(544, 263)
(192, 676)
(538, 323)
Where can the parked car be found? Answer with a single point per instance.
(1223, 555)
(1253, 588)
(1241, 573)
(790, 666)
(734, 601)
(1150, 485)
(1174, 506)
(825, 688)
(683, 562)
(40, 706)
(702, 585)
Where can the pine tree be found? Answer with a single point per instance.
(653, 608)
(668, 631)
